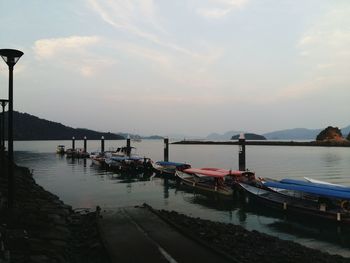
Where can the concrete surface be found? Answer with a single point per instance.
(135, 234)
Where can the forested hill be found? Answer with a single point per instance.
(29, 127)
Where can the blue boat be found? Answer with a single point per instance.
(319, 185)
(323, 203)
(329, 191)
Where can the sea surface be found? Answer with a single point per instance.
(84, 185)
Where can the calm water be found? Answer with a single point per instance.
(81, 184)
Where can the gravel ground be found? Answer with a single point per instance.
(244, 245)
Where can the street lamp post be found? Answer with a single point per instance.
(2, 140)
(10, 56)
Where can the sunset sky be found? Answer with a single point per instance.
(186, 66)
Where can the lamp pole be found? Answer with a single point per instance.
(10, 56)
(2, 141)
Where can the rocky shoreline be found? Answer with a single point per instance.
(41, 228)
(243, 245)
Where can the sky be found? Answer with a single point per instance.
(180, 67)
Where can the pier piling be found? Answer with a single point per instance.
(166, 149)
(241, 153)
(85, 144)
(128, 147)
(102, 144)
(73, 143)
(3, 103)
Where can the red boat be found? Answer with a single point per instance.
(215, 180)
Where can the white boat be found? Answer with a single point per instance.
(311, 180)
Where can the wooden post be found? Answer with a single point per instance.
(85, 144)
(166, 149)
(128, 147)
(102, 144)
(241, 155)
(73, 143)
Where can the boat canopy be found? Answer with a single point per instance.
(229, 172)
(332, 193)
(319, 185)
(169, 163)
(206, 172)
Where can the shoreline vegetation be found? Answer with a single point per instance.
(41, 228)
(269, 143)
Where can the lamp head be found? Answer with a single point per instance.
(3, 102)
(10, 56)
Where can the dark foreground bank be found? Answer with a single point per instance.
(41, 228)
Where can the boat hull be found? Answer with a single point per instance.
(289, 204)
(206, 186)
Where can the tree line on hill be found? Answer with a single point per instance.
(29, 127)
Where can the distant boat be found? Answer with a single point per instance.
(60, 149)
(169, 168)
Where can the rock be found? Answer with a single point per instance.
(330, 134)
(249, 136)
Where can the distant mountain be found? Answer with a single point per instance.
(299, 134)
(136, 136)
(249, 136)
(153, 137)
(226, 136)
(293, 134)
(345, 131)
(180, 136)
(29, 127)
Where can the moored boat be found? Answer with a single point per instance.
(311, 180)
(301, 198)
(60, 149)
(169, 168)
(97, 158)
(216, 180)
(125, 163)
(77, 153)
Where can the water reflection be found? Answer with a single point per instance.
(80, 183)
(130, 177)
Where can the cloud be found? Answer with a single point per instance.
(74, 52)
(48, 48)
(140, 19)
(324, 56)
(219, 8)
(137, 17)
(327, 40)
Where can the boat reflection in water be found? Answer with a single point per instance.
(79, 184)
(130, 177)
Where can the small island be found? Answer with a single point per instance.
(249, 136)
